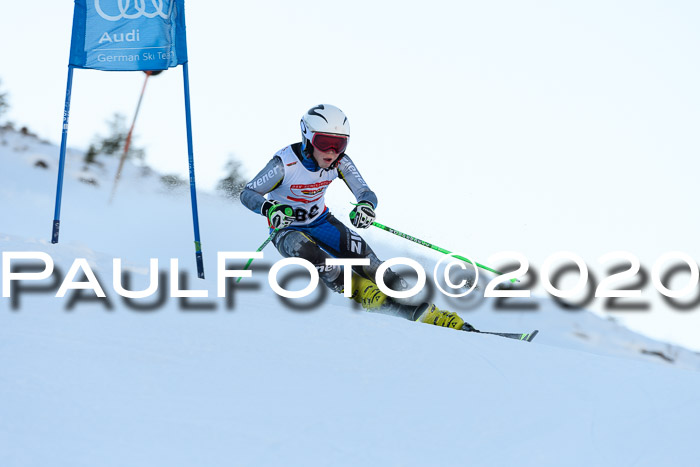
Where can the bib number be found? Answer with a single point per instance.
(303, 215)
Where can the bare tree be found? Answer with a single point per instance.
(4, 104)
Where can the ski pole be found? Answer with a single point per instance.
(269, 239)
(434, 247)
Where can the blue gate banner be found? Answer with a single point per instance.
(128, 35)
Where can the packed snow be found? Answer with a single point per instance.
(253, 380)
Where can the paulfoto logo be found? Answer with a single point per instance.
(626, 279)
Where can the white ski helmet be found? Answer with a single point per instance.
(326, 119)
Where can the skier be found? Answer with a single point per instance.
(295, 181)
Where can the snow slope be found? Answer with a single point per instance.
(249, 380)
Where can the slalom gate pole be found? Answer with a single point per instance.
(128, 139)
(62, 159)
(193, 189)
(434, 247)
(261, 248)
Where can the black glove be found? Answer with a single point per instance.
(278, 215)
(363, 215)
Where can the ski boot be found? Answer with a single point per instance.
(366, 293)
(429, 313)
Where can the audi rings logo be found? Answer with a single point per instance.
(139, 9)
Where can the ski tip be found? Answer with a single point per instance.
(532, 335)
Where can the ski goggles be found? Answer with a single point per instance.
(324, 142)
